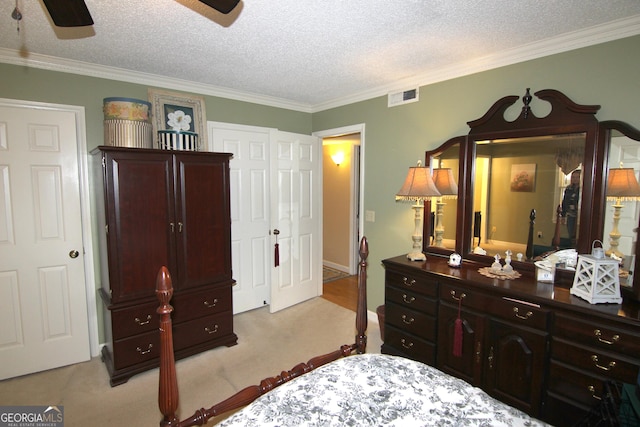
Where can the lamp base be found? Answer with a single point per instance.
(416, 256)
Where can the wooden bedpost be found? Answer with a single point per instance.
(361, 309)
(168, 385)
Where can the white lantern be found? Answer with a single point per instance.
(596, 280)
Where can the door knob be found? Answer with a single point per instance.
(74, 254)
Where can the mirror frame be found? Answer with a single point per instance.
(565, 117)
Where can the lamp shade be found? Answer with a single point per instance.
(418, 185)
(446, 185)
(622, 184)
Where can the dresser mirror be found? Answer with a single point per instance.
(445, 162)
(513, 174)
(622, 201)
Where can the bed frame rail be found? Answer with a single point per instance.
(168, 396)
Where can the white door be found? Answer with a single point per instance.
(43, 306)
(296, 195)
(250, 205)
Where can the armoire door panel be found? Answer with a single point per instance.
(204, 221)
(140, 229)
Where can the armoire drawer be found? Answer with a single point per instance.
(412, 282)
(411, 300)
(136, 349)
(134, 320)
(595, 361)
(411, 321)
(201, 330)
(204, 303)
(406, 344)
(598, 335)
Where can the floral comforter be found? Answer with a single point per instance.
(377, 390)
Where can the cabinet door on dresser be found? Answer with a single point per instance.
(586, 351)
(139, 207)
(467, 365)
(410, 315)
(515, 365)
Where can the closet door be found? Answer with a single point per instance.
(140, 208)
(203, 219)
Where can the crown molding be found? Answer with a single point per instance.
(614, 30)
(598, 34)
(52, 63)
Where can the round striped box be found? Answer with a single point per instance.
(177, 140)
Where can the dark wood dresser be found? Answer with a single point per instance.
(527, 343)
(163, 208)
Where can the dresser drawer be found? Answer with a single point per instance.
(203, 303)
(412, 321)
(520, 312)
(201, 330)
(409, 345)
(412, 282)
(137, 349)
(468, 299)
(134, 320)
(595, 334)
(411, 300)
(578, 386)
(595, 361)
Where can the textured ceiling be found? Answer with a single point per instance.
(312, 53)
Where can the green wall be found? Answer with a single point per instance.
(395, 138)
(607, 74)
(33, 84)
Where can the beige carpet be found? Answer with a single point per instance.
(267, 344)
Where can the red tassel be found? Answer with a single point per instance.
(457, 338)
(276, 255)
(457, 333)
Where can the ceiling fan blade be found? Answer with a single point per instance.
(69, 13)
(223, 6)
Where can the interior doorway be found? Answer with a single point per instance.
(343, 176)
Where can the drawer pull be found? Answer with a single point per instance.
(211, 331)
(527, 315)
(460, 298)
(408, 282)
(148, 350)
(478, 352)
(142, 322)
(407, 320)
(592, 390)
(211, 304)
(598, 334)
(407, 299)
(609, 367)
(405, 345)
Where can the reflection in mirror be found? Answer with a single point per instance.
(516, 176)
(446, 169)
(622, 209)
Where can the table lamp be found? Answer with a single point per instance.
(417, 187)
(622, 185)
(446, 185)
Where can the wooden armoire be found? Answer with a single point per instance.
(169, 208)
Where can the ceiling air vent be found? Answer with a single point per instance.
(403, 97)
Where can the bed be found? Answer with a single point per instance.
(346, 387)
